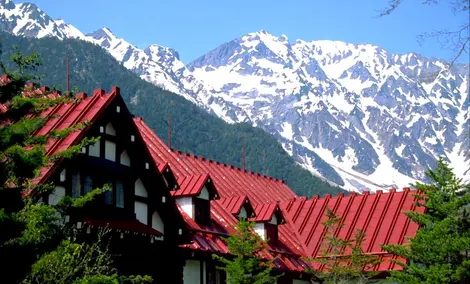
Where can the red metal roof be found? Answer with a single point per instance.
(190, 185)
(124, 225)
(210, 238)
(228, 180)
(234, 204)
(264, 212)
(379, 215)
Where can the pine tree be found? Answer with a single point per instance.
(246, 266)
(440, 251)
(343, 260)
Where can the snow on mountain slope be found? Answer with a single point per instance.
(356, 115)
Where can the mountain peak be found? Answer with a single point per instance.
(102, 33)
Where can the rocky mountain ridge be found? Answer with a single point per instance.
(356, 115)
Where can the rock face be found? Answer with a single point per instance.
(354, 114)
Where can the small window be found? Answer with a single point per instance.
(202, 210)
(76, 185)
(88, 185)
(119, 194)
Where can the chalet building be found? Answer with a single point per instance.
(169, 211)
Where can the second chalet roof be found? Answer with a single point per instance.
(191, 185)
(229, 181)
(380, 216)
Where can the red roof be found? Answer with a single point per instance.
(190, 185)
(265, 212)
(379, 215)
(234, 204)
(124, 226)
(228, 180)
(210, 238)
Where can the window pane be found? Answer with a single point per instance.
(108, 195)
(88, 186)
(76, 185)
(119, 194)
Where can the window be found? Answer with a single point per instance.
(110, 151)
(76, 185)
(119, 194)
(88, 185)
(203, 211)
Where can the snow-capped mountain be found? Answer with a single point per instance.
(354, 114)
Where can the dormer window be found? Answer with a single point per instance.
(194, 194)
(239, 206)
(268, 218)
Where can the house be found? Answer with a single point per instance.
(169, 211)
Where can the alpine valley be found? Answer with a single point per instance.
(355, 115)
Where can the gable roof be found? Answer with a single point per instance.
(265, 212)
(228, 180)
(235, 204)
(380, 216)
(190, 185)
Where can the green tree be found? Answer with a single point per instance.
(440, 251)
(343, 260)
(457, 39)
(36, 245)
(246, 266)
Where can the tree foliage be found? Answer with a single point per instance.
(193, 129)
(246, 266)
(36, 244)
(343, 260)
(457, 39)
(440, 251)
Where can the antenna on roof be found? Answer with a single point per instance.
(169, 130)
(67, 79)
(243, 152)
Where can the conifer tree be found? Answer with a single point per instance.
(440, 251)
(246, 266)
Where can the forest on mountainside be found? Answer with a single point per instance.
(193, 129)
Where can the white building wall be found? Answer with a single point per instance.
(192, 272)
(204, 194)
(94, 149)
(56, 195)
(141, 212)
(110, 129)
(260, 230)
(243, 213)
(187, 205)
(125, 159)
(139, 188)
(157, 222)
(110, 151)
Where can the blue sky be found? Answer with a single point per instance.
(194, 27)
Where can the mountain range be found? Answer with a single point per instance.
(353, 114)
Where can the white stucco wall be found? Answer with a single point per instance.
(110, 151)
(139, 189)
(140, 210)
(110, 129)
(157, 222)
(125, 159)
(187, 205)
(204, 194)
(192, 272)
(260, 230)
(94, 149)
(56, 195)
